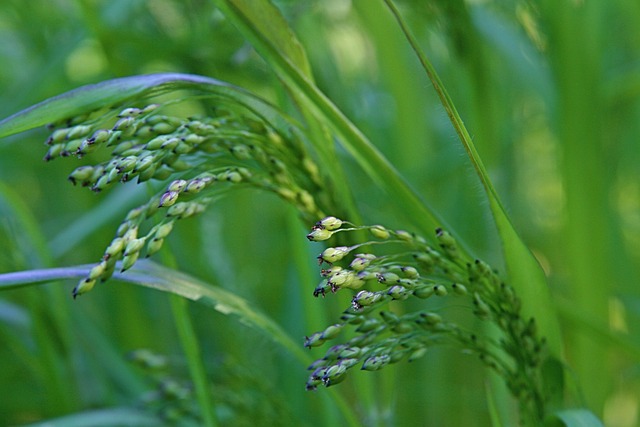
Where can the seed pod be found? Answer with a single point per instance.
(97, 271)
(115, 248)
(332, 331)
(388, 277)
(73, 146)
(417, 354)
(130, 112)
(158, 142)
(331, 255)
(398, 292)
(84, 286)
(404, 235)
(234, 177)
(195, 186)
(459, 289)
(430, 318)
(424, 292)
(389, 317)
(79, 131)
(163, 128)
(82, 174)
(125, 123)
(379, 232)
(440, 290)
(134, 246)
(410, 272)
(129, 260)
(164, 230)
(54, 151)
(154, 246)
(314, 340)
(177, 210)
(365, 298)
(178, 185)
(375, 363)
(240, 152)
(369, 325)
(350, 353)
(330, 223)
(482, 309)
(57, 136)
(319, 234)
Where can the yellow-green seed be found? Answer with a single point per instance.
(379, 232)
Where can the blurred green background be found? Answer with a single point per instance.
(548, 90)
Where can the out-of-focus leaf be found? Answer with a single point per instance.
(525, 274)
(114, 92)
(574, 418)
(300, 83)
(103, 418)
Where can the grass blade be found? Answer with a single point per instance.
(154, 276)
(525, 273)
(356, 143)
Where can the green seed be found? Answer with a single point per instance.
(379, 232)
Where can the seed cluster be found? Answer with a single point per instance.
(413, 268)
(203, 155)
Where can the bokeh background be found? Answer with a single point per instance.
(548, 90)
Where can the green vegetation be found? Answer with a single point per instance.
(203, 140)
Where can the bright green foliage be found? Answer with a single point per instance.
(246, 122)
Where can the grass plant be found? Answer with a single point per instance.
(466, 184)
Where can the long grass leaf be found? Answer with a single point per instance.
(525, 273)
(356, 143)
(116, 91)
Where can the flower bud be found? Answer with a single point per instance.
(431, 319)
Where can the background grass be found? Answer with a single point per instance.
(549, 92)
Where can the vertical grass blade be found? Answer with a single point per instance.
(300, 83)
(524, 271)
